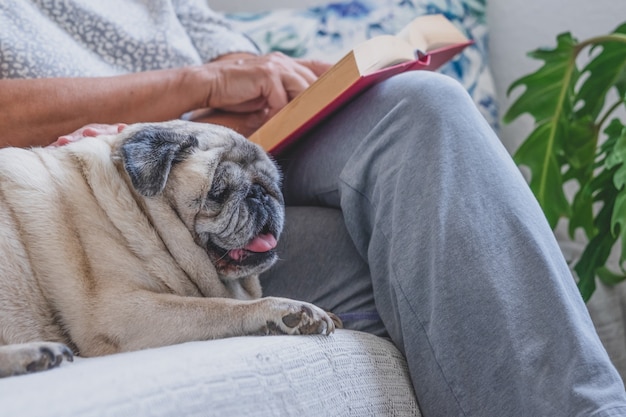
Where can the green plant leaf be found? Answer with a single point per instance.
(589, 168)
(617, 156)
(548, 99)
(602, 189)
(544, 88)
(580, 147)
(545, 180)
(601, 74)
(580, 154)
(620, 84)
(595, 253)
(609, 277)
(615, 161)
(582, 213)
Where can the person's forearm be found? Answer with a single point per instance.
(34, 112)
(37, 111)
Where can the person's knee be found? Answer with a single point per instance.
(428, 115)
(429, 92)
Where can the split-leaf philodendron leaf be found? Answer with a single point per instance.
(578, 138)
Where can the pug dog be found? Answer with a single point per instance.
(150, 237)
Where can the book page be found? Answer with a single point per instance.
(431, 32)
(381, 52)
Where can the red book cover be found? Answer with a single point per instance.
(430, 62)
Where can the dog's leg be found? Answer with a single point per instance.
(157, 319)
(26, 358)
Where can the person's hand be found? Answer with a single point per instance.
(263, 84)
(90, 130)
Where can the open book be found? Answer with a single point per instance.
(426, 43)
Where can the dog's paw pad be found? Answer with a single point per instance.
(286, 316)
(294, 319)
(308, 319)
(48, 356)
(31, 357)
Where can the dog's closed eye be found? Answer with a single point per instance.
(218, 193)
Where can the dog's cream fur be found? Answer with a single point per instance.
(103, 252)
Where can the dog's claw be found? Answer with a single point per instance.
(336, 320)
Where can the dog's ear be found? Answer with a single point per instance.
(149, 155)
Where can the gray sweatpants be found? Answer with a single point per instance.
(408, 217)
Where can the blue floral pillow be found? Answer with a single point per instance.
(329, 31)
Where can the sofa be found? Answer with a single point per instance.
(349, 373)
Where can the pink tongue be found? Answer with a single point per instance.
(261, 243)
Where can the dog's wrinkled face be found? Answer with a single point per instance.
(223, 187)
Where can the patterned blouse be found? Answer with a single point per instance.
(72, 38)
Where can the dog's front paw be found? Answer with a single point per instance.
(297, 317)
(32, 357)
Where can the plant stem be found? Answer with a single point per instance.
(613, 37)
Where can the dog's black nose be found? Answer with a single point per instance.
(257, 193)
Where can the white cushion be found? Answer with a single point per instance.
(346, 374)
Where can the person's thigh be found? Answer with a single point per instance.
(318, 263)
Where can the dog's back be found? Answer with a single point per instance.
(40, 239)
(71, 231)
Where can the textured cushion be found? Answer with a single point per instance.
(327, 32)
(347, 374)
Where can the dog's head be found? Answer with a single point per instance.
(223, 187)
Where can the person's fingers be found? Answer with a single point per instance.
(94, 130)
(285, 86)
(289, 64)
(253, 87)
(90, 130)
(308, 69)
(285, 80)
(256, 83)
(274, 92)
(62, 140)
(317, 67)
